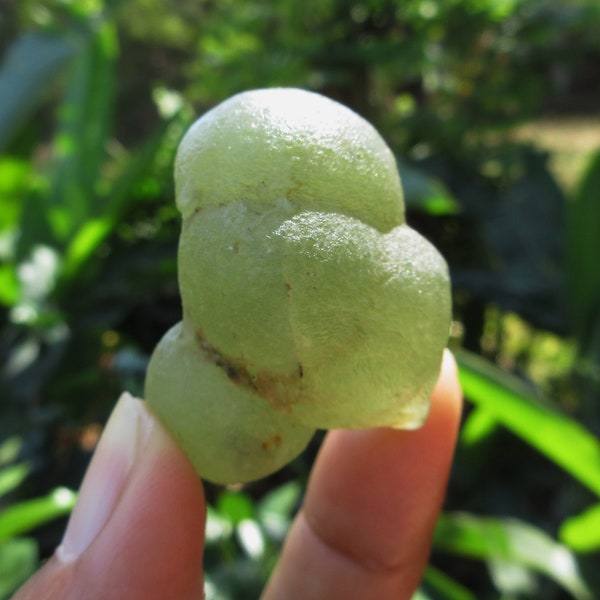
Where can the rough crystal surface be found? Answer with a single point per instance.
(308, 302)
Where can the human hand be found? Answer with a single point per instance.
(137, 531)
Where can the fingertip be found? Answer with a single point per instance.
(446, 403)
(371, 506)
(448, 384)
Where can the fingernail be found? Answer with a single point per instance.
(125, 434)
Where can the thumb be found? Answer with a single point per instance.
(137, 530)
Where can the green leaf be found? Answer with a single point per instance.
(251, 538)
(478, 426)
(535, 420)
(29, 514)
(83, 133)
(275, 510)
(424, 192)
(512, 579)
(9, 285)
(511, 542)
(15, 179)
(281, 501)
(85, 241)
(32, 63)
(116, 198)
(443, 586)
(235, 506)
(9, 449)
(12, 477)
(18, 560)
(111, 204)
(582, 532)
(218, 528)
(497, 10)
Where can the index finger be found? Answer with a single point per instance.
(371, 506)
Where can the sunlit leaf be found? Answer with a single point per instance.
(217, 526)
(26, 515)
(517, 407)
(235, 506)
(84, 243)
(9, 285)
(14, 182)
(251, 538)
(275, 510)
(424, 192)
(510, 541)
(582, 532)
(511, 578)
(37, 274)
(282, 500)
(479, 425)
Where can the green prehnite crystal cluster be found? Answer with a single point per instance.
(308, 302)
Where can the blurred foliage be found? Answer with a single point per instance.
(18, 552)
(94, 97)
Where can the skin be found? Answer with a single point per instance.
(364, 531)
